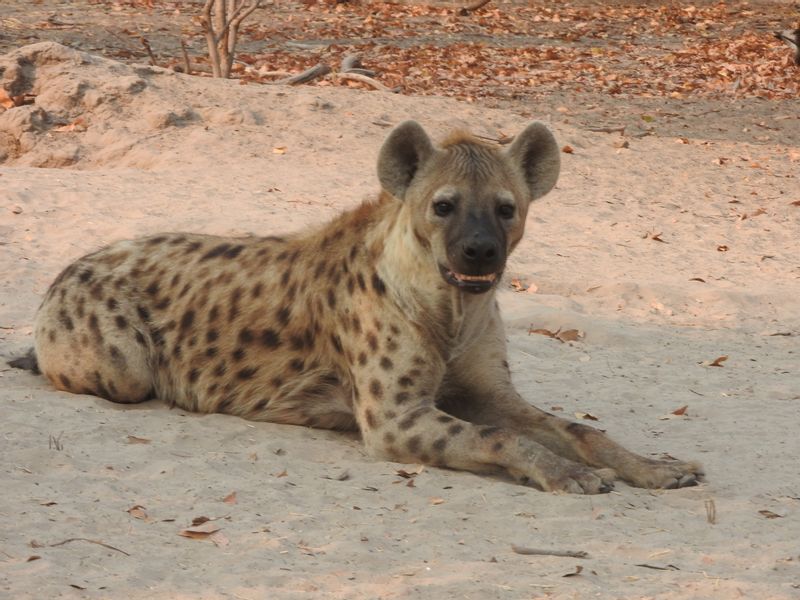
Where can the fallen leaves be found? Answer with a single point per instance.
(717, 362)
(565, 335)
(132, 439)
(230, 498)
(585, 416)
(769, 514)
(205, 528)
(678, 412)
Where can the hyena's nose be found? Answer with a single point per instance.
(480, 251)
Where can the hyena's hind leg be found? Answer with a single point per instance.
(91, 340)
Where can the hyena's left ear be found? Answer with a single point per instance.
(402, 155)
(536, 154)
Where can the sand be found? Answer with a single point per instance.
(666, 254)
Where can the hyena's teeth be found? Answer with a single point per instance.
(462, 277)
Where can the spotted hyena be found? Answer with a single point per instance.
(384, 320)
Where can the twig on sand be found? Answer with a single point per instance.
(91, 542)
(149, 50)
(308, 75)
(364, 79)
(544, 552)
(186, 64)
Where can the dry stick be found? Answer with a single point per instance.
(542, 552)
(147, 47)
(307, 75)
(91, 542)
(465, 10)
(364, 79)
(186, 64)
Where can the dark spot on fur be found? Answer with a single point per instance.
(225, 404)
(261, 405)
(143, 312)
(505, 364)
(246, 336)
(216, 251)
(362, 358)
(85, 275)
(270, 338)
(376, 389)
(121, 322)
(296, 364)
(194, 374)
(372, 340)
(193, 247)
(389, 437)
(401, 397)
(411, 418)
(455, 429)
(356, 324)
(440, 444)
(418, 360)
(369, 416)
(283, 315)
(413, 444)
(361, 283)
(212, 335)
(485, 432)
(497, 446)
(580, 431)
(65, 320)
(257, 289)
(152, 289)
(405, 381)
(276, 381)
(238, 354)
(211, 351)
(112, 304)
(51, 335)
(337, 343)
(296, 341)
(246, 373)
(444, 418)
(386, 363)
(187, 319)
(220, 369)
(378, 285)
(64, 380)
(156, 240)
(331, 298)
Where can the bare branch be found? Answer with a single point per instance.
(363, 79)
(307, 75)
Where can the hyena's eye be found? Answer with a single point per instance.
(506, 211)
(442, 208)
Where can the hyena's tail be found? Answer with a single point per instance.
(27, 362)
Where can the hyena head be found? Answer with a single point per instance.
(466, 200)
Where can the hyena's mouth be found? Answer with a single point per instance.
(475, 284)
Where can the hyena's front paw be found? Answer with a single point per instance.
(666, 474)
(572, 478)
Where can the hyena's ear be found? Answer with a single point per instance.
(536, 154)
(401, 156)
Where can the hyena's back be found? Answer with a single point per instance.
(207, 323)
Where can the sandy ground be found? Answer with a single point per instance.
(667, 254)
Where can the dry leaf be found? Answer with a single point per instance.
(201, 520)
(78, 124)
(681, 410)
(577, 571)
(585, 416)
(518, 285)
(200, 532)
(795, 203)
(769, 514)
(568, 149)
(722, 248)
(718, 361)
(700, 279)
(132, 439)
(279, 150)
(569, 335)
(436, 501)
(33, 557)
(282, 474)
(5, 100)
(137, 511)
(230, 498)
(220, 539)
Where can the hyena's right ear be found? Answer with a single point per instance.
(401, 156)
